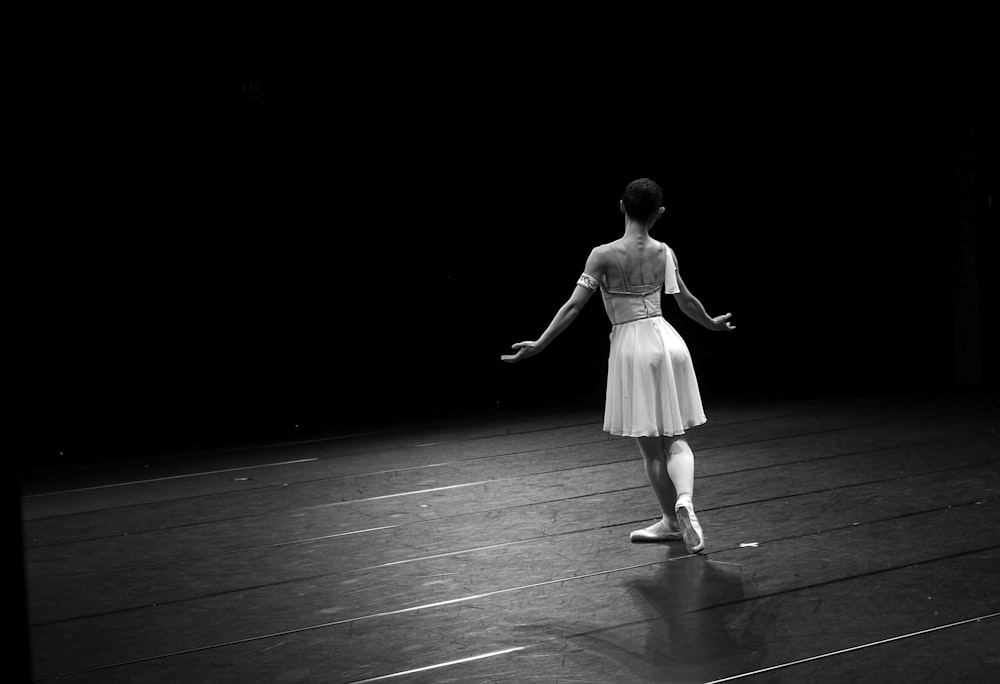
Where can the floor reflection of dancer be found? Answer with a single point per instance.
(652, 392)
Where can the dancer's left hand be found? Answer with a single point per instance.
(524, 350)
(722, 322)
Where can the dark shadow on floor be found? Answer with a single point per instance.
(699, 625)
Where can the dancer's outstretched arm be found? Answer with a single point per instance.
(694, 309)
(585, 287)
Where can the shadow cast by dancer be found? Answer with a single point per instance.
(700, 624)
(652, 392)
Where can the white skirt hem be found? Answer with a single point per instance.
(618, 433)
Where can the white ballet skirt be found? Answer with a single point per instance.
(652, 389)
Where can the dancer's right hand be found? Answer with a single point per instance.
(524, 350)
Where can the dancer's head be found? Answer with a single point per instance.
(642, 200)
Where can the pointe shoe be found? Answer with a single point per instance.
(690, 529)
(657, 532)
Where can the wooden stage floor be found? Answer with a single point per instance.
(847, 541)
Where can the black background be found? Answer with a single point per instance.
(271, 244)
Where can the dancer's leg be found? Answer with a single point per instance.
(655, 463)
(680, 468)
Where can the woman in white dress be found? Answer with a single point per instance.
(652, 392)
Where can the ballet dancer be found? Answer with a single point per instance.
(652, 392)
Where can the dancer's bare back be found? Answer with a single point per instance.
(642, 259)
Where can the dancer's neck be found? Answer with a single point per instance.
(635, 230)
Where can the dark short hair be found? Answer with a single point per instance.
(642, 198)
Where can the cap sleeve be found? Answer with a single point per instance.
(670, 272)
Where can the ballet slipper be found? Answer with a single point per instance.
(690, 528)
(657, 532)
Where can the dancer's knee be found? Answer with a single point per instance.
(650, 448)
(678, 445)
